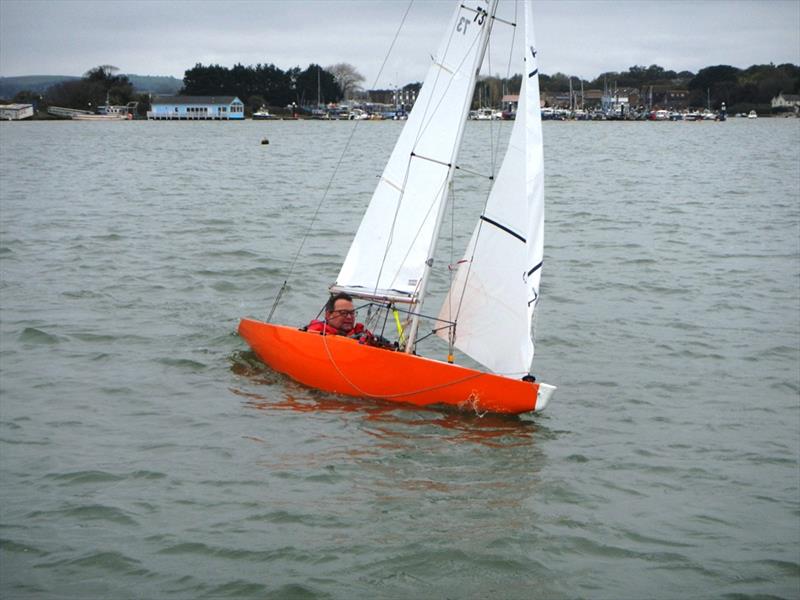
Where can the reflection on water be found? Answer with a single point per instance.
(387, 419)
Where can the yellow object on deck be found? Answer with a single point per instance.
(400, 335)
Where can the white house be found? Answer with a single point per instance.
(196, 108)
(786, 101)
(15, 112)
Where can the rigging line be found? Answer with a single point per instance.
(385, 320)
(433, 160)
(392, 229)
(382, 306)
(435, 84)
(471, 172)
(488, 195)
(452, 273)
(408, 166)
(391, 46)
(492, 152)
(440, 192)
(452, 243)
(425, 124)
(477, 48)
(410, 245)
(338, 164)
(425, 337)
(422, 130)
(398, 394)
(508, 69)
(513, 24)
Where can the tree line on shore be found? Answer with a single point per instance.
(268, 85)
(754, 86)
(740, 89)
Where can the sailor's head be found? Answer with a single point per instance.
(339, 312)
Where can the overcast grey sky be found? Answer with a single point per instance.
(577, 37)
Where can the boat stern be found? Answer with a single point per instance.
(543, 396)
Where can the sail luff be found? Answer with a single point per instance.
(484, 42)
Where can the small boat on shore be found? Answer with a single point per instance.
(485, 114)
(108, 112)
(106, 117)
(262, 114)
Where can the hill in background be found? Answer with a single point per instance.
(155, 84)
(11, 86)
(143, 84)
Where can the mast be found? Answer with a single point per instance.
(319, 89)
(484, 41)
(571, 108)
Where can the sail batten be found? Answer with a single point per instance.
(388, 181)
(439, 162)
(502, 227)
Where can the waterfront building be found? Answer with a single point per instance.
(615, 104)
(15, 112)
(665, 97)
(196, 108)
(676, 98)
(510, 102)
(592, 98)
(618, 103)
(404, 97)
(787, 101)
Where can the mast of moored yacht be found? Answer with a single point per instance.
(484, 41)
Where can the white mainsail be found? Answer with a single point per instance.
(495, 289)
(395, 239)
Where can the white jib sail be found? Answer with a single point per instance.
(388, 254)
(495, 289)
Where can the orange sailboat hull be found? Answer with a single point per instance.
(343, 366)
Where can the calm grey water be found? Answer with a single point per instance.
(145, 453)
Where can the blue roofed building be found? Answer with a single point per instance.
(196, 108)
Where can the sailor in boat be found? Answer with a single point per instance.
(340, 319)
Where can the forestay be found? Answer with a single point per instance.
(496, 287)
(395, 239)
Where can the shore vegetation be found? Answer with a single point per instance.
(267, 85)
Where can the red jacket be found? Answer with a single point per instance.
(359, 333)
(324, 328)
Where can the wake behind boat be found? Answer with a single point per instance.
(488, 311)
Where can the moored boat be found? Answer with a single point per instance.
(107, 117)
(262, 114)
